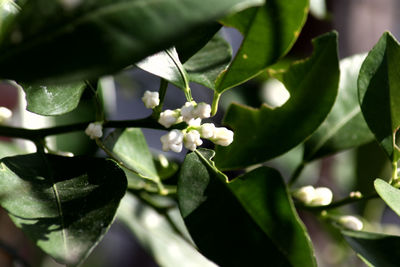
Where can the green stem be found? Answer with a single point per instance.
(38, 134)
(214, 107)
(100, 116)
(296, 173)
(161, 93)
(339, 203)
(394, 178)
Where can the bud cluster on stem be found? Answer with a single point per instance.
(320, 196)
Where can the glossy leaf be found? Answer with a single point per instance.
(374, 248)
(130, 147)
(8, 11)
(51, 100)
(65, 205)
(85, 39)
(389, 194)
(345, 126)
(156, 235)
(269, 32)
(264, 133)
(205, 66)
(379, 93)
(220, 224)
(166, 64)
(264, 196)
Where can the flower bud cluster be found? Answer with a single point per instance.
(94, 130)
(320, 196)
(192, 113)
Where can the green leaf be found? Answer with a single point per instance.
(379, 93)
(130, 147)
(221, 223)
(374, 248)
(65, 205)
(264, 133)
(269, 32)
(9, 149)
(345, 126)
(205, 66)
(51, 100)
(389, 194)
(166, 64)
(77, 42)
(8, 11)
(156, 235)
(264, 196)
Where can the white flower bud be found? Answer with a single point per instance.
(151, 99)
(172, 141)
(222, 136)
(305, 194)
(323, 196)
(194, 122)
(192, 140)
(187, 111)
(202, 110)
(207, 130)
(351, 222)
(94, 130)
(168, 118)
(5, 114)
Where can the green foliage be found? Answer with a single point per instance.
(65, 205)
(264, 133)
(190, 212)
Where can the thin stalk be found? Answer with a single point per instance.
(296, 173)
(339, 203)
(214, 106)
(100, 116)
(161, 93)
(394, 178)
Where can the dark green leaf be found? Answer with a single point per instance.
(222, 228)
(345, 126)
(51, 100)
(67, 41)
(379, 93)
(261, 134)
(130, 147)
(269, 32)
(166, 65)
(196, 40)
(389, 194)
(156, 235)
(205, 66)
(264, 196)
(8, 11)
(65, 205)
(374, 248)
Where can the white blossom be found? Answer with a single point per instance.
(172, 141)
(202, 110)
(194, 122)
(192, 140)
(222, 136)
(151, 99)
(351, 222)
(323, 196)
(207, 130)
(94, 130)
(187, 112)
(169, 117)
(305, 194)
(5, 114)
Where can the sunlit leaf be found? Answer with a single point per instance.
(51, 100)
(155, 234)
(65, 205)
(389, 194)
(264, 133)
(269, 32)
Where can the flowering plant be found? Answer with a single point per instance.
(234, 196)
